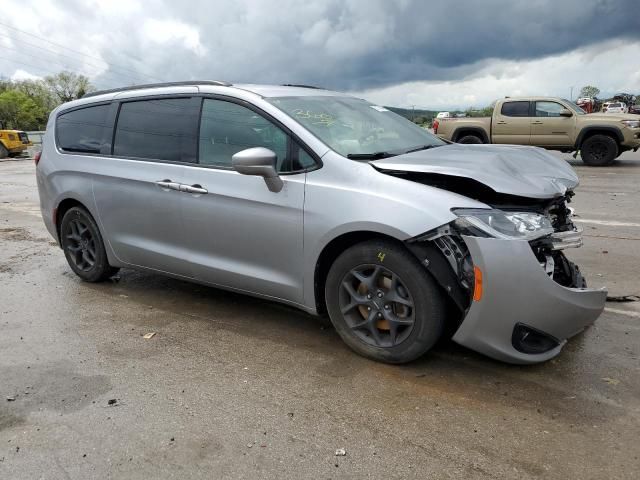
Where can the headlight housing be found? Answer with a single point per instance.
(631, 123)
(503, 224)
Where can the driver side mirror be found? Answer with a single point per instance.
(565, 112)
(258, 161)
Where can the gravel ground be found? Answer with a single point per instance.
(234, 387)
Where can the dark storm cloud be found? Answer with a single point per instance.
(360, 44)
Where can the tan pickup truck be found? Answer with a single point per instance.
(548, 122)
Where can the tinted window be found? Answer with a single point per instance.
(227, 128)
(83, 130)
(515, 109)
(163, 129)
(548, 109)
(303, 161)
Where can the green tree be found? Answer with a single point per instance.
(19, 111)
(67, 86)
(39, 92)
(589, 91)
(26, 104)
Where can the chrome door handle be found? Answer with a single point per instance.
(168, 184)
(501, 123)
(536, 123)
(193, 189)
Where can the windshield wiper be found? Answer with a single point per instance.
(423, 147)
(370, 156)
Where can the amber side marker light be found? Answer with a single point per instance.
(477, 286)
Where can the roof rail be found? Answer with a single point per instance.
(157, 85)
(301, 86)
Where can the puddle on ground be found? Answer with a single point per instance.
(56, 386)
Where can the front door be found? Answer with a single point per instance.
(512, 124)
(242, 235)
(137, 189)
(548, 128)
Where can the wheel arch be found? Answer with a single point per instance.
(331, 251)
(463, 131)
(599, 130)
(63, 207)
(438, 267)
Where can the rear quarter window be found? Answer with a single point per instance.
(84, 130)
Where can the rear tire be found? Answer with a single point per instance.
(470, 139)
(83, 246)
(404, 315)
(599, 150)
(4, 153)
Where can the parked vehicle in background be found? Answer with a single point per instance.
(625, 98)
(13, 142)
(589, 104)
(634, 109)
(614, 107)
(443, 115)
(324, 202)
(549, 122)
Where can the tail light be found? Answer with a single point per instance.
(436, 124)
(36, 157)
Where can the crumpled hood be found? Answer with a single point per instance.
(514, 170)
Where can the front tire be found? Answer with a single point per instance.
(470, 139)
(83, 246)
(599, 150)
(4, 153)
(383, 303)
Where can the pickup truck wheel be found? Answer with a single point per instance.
(599, 150)
(4, 153)
(469, 139)
(383, 303)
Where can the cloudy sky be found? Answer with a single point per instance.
(443, 54)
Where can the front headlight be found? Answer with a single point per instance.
(631, 123)
(505, 225)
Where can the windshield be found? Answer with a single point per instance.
(355, 128)
(574, 107)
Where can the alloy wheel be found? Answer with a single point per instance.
(377, 305)
(81, 245)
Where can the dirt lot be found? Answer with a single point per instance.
(232, 386)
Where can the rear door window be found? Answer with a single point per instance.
(515, 109)
(85, 130)
(158, 129)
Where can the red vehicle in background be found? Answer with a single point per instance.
(589, 104)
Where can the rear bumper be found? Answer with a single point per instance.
(516, 290)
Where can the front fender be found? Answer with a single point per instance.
(346, 196)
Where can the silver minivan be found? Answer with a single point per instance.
(324, 202)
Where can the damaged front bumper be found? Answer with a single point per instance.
(522, 316)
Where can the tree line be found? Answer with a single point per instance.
(26, 104)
